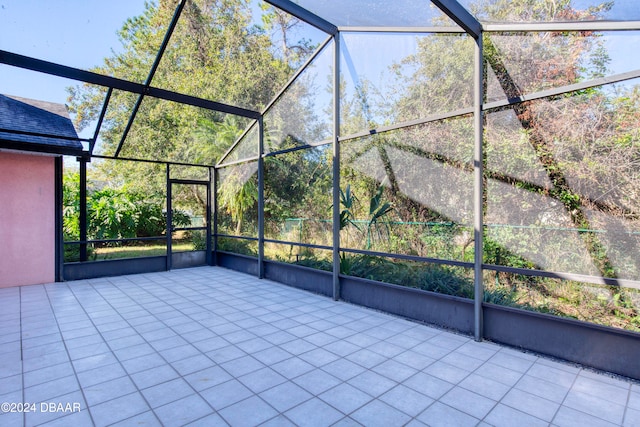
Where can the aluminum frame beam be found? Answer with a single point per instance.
(235, 144)
(356, 29)
(460, 16)
(277, 97)
(238, 162)
(261, 200)
(103, 113)
(478, 190)
(597, 280)
(630, 75)
(152, 72)
(305, 15)
(46, 67)
(431, 118)
(58, 218)
(336, 168)
(563, 26)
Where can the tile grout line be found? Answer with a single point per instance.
(24, 415)
(626, 406)
(513, 387)
(291, 380)
(162, 286)
(387, 358)
(64, 342)
(419, 371)
(127, 374)
(196, 392)
(119, 362)
(233, 377)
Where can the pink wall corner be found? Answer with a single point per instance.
(27, 219)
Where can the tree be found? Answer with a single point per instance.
(115, 212)
(217, 52)
(238, 193)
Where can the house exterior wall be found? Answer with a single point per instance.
(27, 219)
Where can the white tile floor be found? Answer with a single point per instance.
(207, 346)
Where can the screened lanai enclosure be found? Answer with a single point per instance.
(473, 164)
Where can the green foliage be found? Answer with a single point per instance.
(71, 206)
(151, 220)
(312, 262)
(112, 214)
(118, 214)
(72, 251)
(115, 213)
(347, 200)
(497, 254)
(298, 185)
(444, 280)
(238, 246)
(428, 277)
(238, 195)
(377, 210)
(199, 239)
(346, 264)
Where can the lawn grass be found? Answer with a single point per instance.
(117, 252)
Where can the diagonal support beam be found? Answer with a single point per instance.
(33, 64)
(152, 72)
(460, 16)
(305, 15)
(105, 105)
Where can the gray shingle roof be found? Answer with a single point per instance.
(36, 117)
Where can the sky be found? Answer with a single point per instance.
(77, 33)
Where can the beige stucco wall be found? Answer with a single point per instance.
(27, 219)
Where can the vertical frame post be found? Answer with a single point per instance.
(169, 218)
(261, 198)
(478, 189)
(59, 238)
(209, 260)
(336, 166)
(215, 216)
(83, 208)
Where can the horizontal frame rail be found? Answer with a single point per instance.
(303, 245)
(616, 78)
(563, 26)
(432, 118)
(624, 283)
(464, 264)
(188, 229)
(127, 239)
(238, 162)
(231, 236)
(157, 162)
(54, 69)
(188, 182)
(430, 30)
